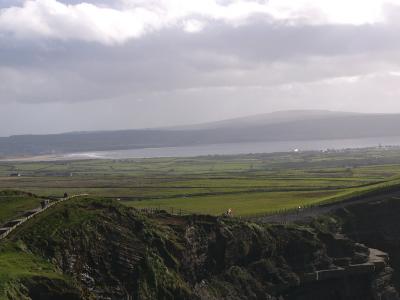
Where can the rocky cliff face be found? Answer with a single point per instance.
(377, 225)
(112, 252)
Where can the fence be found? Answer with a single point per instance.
(5, 231)
(170, 210)
(291, 214)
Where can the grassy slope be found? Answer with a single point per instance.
(12, 203)
(264, 203)
(19, 265)
(23, 254)
(241, 204)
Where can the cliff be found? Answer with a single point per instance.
(375, 224)
(98, 249)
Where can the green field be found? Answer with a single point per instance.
(249, 184)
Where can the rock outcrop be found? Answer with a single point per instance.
(375, 224)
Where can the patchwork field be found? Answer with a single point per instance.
(249, 184)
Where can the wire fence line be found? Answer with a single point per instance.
(170, 210)
(287, 215)
(10, 226)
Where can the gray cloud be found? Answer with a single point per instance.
(260, 53)
(172, 76)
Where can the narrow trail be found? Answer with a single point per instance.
(315, 211)
(10, 226)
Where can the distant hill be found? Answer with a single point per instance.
(279, 126)
(269, 118)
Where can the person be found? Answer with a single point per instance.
(44, 203)
(228, 213)
(65, 195)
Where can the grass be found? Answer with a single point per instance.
(211, 184)
(13, 204)
(17, 266)
(259, 203)
(240, 204)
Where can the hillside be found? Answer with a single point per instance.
(161, 256)
(269, 119)
(281, 126)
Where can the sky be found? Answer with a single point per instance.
(73, 65)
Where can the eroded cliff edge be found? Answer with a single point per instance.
(376, 224)
(98, 249)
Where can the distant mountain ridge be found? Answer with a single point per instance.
(269, 118)
(278, 126)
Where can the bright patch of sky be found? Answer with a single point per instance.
(128, 19)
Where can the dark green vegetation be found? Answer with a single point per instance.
(280, 126)
(98, 249)
(249, 184)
